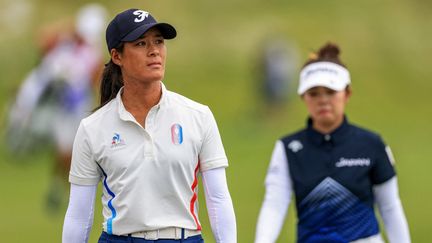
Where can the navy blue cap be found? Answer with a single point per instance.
(131, 24)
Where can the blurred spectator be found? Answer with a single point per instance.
(277, 65)
(58, 92)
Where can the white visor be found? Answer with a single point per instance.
(326, 74)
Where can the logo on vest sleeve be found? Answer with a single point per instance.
(343, 162)
(176, 134)
(295, 146)
(390, 155)
(117, 141)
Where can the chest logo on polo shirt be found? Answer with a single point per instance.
(176, 134)
(117, 141)
(295, 146)
(343, 162)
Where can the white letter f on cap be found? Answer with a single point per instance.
(141, 15)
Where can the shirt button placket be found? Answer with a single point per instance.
(148, 145)
(148, 142)
(329, 147)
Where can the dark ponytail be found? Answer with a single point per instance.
(112, 81)
(327, 53)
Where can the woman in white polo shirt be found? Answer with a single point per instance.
(147, 146)
(336, 171)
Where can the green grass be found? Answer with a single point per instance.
(386, 45)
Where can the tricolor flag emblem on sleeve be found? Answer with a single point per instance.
(176, 134)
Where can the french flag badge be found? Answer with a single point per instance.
(176, 134)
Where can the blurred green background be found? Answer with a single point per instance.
(385, 44)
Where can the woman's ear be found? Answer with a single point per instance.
(348, 92)
(116, 57)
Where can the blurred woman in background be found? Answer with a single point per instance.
(336, 170)
(58, 93)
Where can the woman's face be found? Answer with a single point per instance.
(326, 106)
(142, 60)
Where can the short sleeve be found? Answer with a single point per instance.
(84, 170)
(383, 168)
(212, 154)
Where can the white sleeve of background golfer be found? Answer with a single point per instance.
(28, 95)
(79, 216)
(219, 206)
(390, 208)
(277, 197)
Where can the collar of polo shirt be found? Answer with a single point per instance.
(336, 136)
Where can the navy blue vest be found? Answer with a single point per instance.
(332, 177)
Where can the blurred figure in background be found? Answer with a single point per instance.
(276, 66)
(58, 93)
(337, 171)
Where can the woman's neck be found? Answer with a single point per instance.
(138, 99)
(327, 128)
(141, 95)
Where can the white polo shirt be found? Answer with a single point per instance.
(149, 175)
